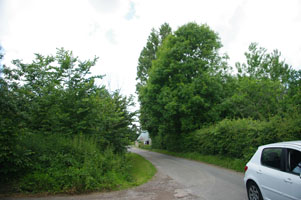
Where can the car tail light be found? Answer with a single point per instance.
(246, 168)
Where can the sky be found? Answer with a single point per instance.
(117, 30)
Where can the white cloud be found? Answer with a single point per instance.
(105, 6)
(116, 30)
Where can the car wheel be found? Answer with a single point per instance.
(254, 192)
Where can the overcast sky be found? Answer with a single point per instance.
(117, 30)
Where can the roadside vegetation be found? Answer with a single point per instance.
(194, 103)
(141, 170)
(71, 165)
(61, 132)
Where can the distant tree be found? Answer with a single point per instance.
(184, 85)
(253, 98)
(263, 65)
(148, 53)
(266, 85)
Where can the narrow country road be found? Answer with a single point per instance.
(201, 180)
(176, 179)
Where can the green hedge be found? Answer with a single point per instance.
(240, 138)
(56, 164)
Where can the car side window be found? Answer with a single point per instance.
(294, 161)
(271, 157)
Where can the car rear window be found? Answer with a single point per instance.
(271, 157)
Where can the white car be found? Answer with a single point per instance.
(273, 173)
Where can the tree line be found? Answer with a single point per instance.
(192, 100)
(60, 130)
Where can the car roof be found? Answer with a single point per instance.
(290, 144)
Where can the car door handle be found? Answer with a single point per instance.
(259, 171)
(288, 180)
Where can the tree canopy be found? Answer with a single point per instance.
(148, 53)
(189, 85)
(184, 83)
(57, 95)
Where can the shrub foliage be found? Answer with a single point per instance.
(60, 131)
(239, 138)
(71, 165)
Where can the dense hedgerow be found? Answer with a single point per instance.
(59, 130)
(239, 138)
(64, 164)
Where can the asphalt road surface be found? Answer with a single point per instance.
(203, 181)
(176, 179)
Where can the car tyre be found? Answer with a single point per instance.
(254, 192)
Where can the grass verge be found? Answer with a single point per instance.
(226, 162)
(141, 170)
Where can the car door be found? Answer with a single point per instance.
(294, 186)
(272, 175)
(293, 170)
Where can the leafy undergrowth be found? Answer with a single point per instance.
(75, 165)
(226, 162)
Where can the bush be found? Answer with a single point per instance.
(55, 96)
(72, 165)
